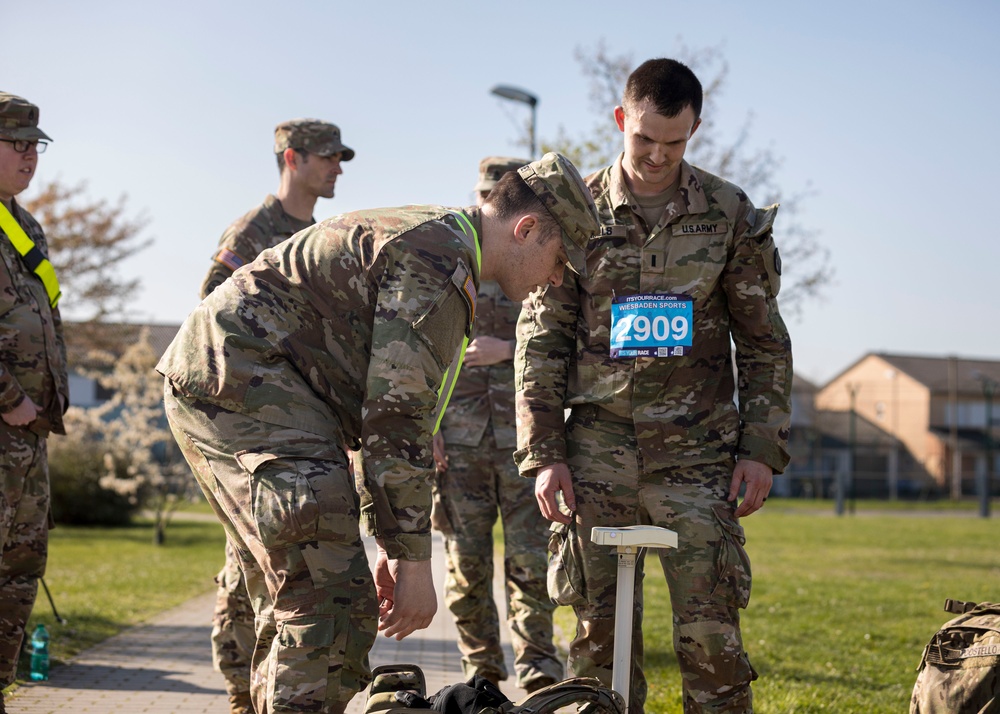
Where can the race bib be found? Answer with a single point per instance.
(651, 325)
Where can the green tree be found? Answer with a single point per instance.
(806, 260)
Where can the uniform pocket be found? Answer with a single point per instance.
(565, 582)
(732, 586)
(301, 665)
(283, 500)
(449, 317)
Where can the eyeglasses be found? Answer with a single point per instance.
(21, 146)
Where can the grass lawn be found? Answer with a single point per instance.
(104, 580)
(841, 607)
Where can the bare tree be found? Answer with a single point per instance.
(806, 261)
(88, 240)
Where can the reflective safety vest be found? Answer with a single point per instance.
(451, 376)
(30, 253)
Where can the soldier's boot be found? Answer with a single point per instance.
(239, 703)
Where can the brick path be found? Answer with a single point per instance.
(165, 666)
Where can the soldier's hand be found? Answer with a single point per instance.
(758, 478)
(23, 414)
(440, 457)
(549, 482)
(414, 599)
(486, 349)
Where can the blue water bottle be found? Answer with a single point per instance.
(40, 654)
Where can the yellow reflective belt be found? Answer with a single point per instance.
(451, 376)
(32, 256)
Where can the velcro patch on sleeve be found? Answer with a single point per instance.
(462, 278)
(230, 259)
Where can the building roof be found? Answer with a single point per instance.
(803, 384)
(835, 428)
(114, 337)
(933, 372)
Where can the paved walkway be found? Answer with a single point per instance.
(165, 665)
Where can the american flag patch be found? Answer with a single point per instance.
(469, 287)
(229, 259)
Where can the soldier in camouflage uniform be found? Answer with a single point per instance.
(34, 388)
(479, 479)
(341, 336)
(309, 154)
(639, 350)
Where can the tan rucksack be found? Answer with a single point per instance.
(960, 669)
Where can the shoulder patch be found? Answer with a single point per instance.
(762, 221)
(462, 278)
(229, 259)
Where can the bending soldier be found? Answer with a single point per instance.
(341, 336)
(309, 154)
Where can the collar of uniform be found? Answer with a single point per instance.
(291, 224)
(475, 216)
(15, 210)
(690, 198)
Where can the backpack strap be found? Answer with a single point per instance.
(579, 690)
(958, 607)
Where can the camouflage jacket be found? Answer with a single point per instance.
(346, 331)
(486, 392)
(32, 352)
(711, 245)
(263, 227)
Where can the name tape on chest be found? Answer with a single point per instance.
(651, 325)
(706, 228)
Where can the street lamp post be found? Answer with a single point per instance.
(842, 487)
(519, 95)
(986, 484)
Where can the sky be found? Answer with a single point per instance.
(884, 113)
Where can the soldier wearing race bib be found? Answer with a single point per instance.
(640, 351)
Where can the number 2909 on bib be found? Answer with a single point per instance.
(651, 325)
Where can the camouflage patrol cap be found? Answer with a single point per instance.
(558, 185)
(492, 169)
(19, 119)
(312, 136)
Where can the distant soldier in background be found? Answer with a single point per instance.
(478, 479)
(34, 387)
(309, 154)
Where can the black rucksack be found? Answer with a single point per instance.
(960, 669)
(399, 689)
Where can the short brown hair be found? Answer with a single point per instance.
(512, 197)
(669, 84)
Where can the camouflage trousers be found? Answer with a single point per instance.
(708, 574)
(288, 504)
(24, 536)
(479, 482)
(233, 633)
